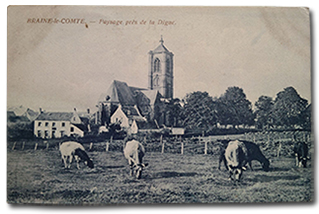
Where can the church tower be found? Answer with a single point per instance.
(160, 70)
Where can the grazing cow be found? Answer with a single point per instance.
(134, 153)
(253, 153)
(70, 150)
(301, 154)
(236, 156)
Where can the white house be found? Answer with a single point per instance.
(128, 117)
(58, 124)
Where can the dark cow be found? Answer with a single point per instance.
(134, 153)
(301, 153)
(236, 156)
(70, 150)
(253, 153)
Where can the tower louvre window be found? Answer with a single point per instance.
(157, 65)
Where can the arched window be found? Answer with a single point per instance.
(156, 81)
(157, 65)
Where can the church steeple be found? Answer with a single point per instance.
(160, 75)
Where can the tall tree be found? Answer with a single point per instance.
(234, 109)
(264, 106)
(199, 111)
(173, 112)
(288, 108)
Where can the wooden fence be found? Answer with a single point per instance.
(273, 143)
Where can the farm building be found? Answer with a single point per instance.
(21, 114)
(58, 124)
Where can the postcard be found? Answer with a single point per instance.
(159, 105)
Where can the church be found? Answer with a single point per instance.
(134, 107)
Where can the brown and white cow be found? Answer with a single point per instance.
(72, 149)
(134, 152)
(253, 153)
(236, 156)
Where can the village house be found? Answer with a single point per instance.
(58, 124)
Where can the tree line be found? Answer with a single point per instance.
(232, 109)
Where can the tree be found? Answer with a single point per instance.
(264, 106)
(288, 108)
(173, 112)
(199, 111)
(234, 109)
(306, 117)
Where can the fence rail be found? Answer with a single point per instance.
(270, 142)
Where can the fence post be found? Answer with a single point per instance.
(35, 146)
(279, 148)
(205, 152)
(163, 143)
(182, 148)
(23, 143)
(47, 145)
(107, 146)
(14, 145)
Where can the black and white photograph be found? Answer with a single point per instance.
(122, 105)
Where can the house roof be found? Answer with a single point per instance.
(118, 92)
(133, 113)
(21, 111)
(56, 116)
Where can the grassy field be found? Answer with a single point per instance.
(39, 177)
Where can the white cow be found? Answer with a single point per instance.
(70, 150)
(134, 153)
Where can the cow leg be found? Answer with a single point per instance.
(64, 159)
(250, 166)
(220, 161)
(77, 159)
(131, 164)
(70, 160)
(297, 160)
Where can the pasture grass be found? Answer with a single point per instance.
(38, 177)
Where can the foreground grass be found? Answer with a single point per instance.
(39, 177)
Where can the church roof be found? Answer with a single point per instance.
(151, 95)
(118, 92)
(161, 48)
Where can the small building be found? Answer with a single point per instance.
(21, 114)
(58, 124)
(128, 117)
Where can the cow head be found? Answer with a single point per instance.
(236, 172)
(89, 163)
(303, 162)
(139, 169)
(265, 165)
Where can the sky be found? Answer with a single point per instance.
(59, 67)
